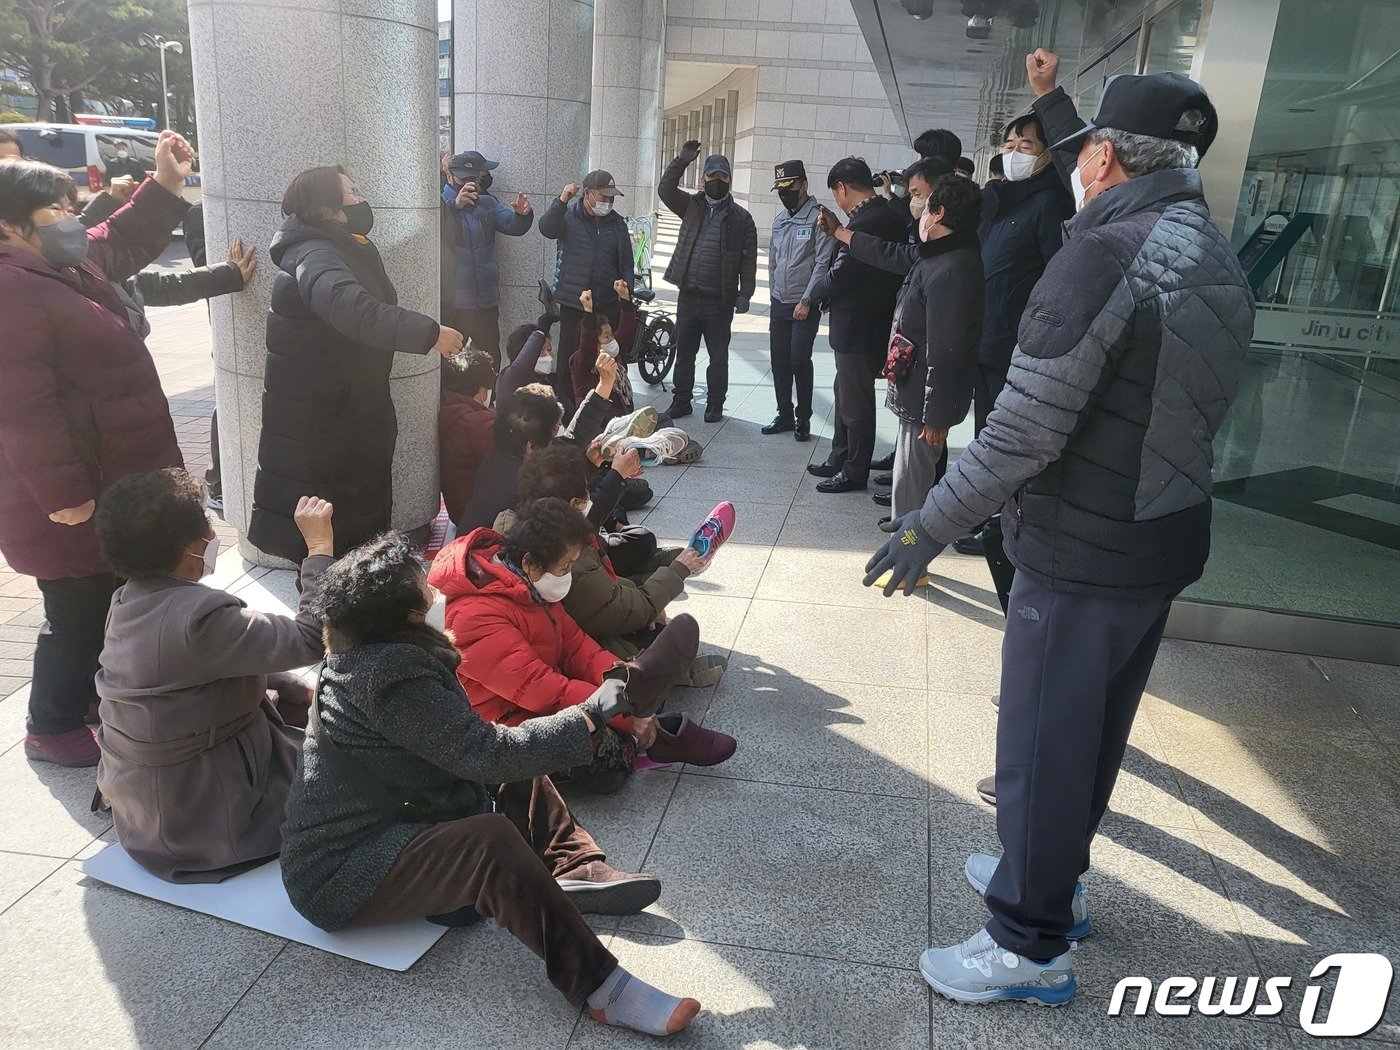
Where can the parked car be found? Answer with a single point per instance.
(89, 153)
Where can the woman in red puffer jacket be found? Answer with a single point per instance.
(80, 406)
(523, 655)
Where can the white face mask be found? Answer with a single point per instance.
(122, 154)
(1076, 182)
(1019, 166)
(436, 616)
(553, 588)
(211, 556)
(917, 206)
(601, 208)
(545, 364)
(611, 348)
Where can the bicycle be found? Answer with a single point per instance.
(654, 351)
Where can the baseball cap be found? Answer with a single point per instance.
(717, 162)
(470, 163)
(603, 182)
(787, 173)
(1156, 104)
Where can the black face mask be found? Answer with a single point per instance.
(790, 198)
(716, 189)
(484, 181)
(359, 218)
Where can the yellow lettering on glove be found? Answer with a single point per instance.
(909, 538)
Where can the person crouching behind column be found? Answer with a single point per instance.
(390, 816)
(465, 423)
(196, 762)
(523, 655)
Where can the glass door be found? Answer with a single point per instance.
(1307, 509)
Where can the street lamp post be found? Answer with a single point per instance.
(148, 40)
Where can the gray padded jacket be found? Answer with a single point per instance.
(1128, 354)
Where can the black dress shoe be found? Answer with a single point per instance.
(802, 431)
(987, 790)
(883, 479)
(679, 410)
(713, 413)
(883, 499)
(822, 470)
(840, 483)
(778, 426)
(883, 521)
(883, 463)
(970, 544)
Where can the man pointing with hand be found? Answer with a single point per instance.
(1099, 449)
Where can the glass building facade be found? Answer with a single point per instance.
(1306, 533)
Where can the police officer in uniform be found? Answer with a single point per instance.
(798, 254)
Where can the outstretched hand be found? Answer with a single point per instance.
(906, 557)
(690, 151)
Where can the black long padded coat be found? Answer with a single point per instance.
(328, 422)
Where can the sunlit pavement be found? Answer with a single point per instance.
(1253, 832)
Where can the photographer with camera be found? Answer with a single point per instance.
(476, 310)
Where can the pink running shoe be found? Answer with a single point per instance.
(712, 533)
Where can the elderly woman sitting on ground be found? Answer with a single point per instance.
(407, 804)
(196, 761)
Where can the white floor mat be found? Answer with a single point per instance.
(258, 899)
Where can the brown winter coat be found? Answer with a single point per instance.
(195, 762)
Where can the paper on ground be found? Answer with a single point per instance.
(258, 899)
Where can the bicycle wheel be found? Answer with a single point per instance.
(657, 354)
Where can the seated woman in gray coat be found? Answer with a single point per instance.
(196, 761)
(407, 805)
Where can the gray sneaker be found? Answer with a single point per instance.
(979, 870)
(981, 971)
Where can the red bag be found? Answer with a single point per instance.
(899, 359)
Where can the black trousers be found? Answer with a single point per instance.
(984, 395)
(570, 318)
(70, 642)
(702, 316)
(482, 327)
(1073, 667)
(213, 478)
(853, 442)
(790, 354)
(989, 382)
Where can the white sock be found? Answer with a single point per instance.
(632, 1003)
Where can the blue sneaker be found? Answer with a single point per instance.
(981, 971)
(980, 868)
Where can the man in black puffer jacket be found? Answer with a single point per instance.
(1129, 353)
(715, 266)
(595, 251)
